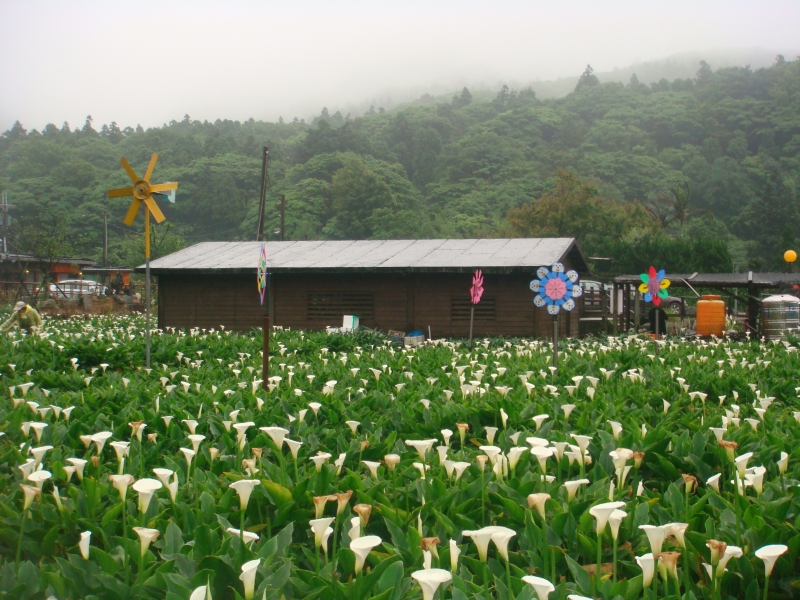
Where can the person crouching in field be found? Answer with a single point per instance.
(25, 316)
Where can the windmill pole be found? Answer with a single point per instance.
(147, 284)
(555, 341)
(657, 332)
(266, 328)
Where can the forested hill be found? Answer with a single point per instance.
(706, 167)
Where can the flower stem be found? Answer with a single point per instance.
(738, 509)
(483, 500)
(241, 533)
(655, 580)
(686, 570)
(599, 561)
(140, 573)
(686, 501)
(125, 558)
(766, 587)
(408, 510)
(542, 542)
(508, 578)
(394, 491)
(615, 562)
(335, 536)
(141, 460)
(19, 542)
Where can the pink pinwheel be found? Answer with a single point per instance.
(476, 291)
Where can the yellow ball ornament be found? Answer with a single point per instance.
(790, 256)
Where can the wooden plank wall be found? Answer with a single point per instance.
(401, 302)
(207, 301)
(514, 310)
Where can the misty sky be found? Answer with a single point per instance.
(151, 62)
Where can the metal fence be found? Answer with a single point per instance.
(9, 293)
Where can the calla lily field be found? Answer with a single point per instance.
(369, 470)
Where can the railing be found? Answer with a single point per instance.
(9, 293)
(595, 312)
(7, 296)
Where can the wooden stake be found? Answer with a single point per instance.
(657, 320)
(471, 317)
(265, 363)
(266, 328)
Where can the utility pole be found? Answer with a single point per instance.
(283, 217)
(263, 196)
(105, 239)
(6, 220)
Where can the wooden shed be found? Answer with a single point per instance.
(390, 284)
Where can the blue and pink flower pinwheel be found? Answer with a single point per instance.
(556, 289)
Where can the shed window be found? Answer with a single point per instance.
(484, 310)
(331, 306)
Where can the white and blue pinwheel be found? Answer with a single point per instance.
(556, 289)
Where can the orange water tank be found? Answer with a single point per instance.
(710, 316)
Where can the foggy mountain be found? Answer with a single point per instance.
(678, 66)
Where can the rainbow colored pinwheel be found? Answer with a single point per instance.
(476, 291)
(555, 289)
(654, 286)
(262, 273)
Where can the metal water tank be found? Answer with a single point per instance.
(779, 315)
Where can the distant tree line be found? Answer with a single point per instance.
(698, 173)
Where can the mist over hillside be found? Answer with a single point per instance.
(701, 172)
(678, 66)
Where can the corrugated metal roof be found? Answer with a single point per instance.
(372, 255)
(13, 257)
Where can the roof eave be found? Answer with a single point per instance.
(354, 270)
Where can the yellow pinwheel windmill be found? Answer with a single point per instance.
(142, 191)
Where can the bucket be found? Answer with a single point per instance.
(779, 315)
(710, 316)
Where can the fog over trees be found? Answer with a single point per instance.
(702, 171)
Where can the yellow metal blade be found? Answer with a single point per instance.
(163, 187)
(132, 210)
(153, 206)
(127, 167)
(150, 167)
(120, 192)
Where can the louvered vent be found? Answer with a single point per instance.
(330, 307)
(484, 310)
